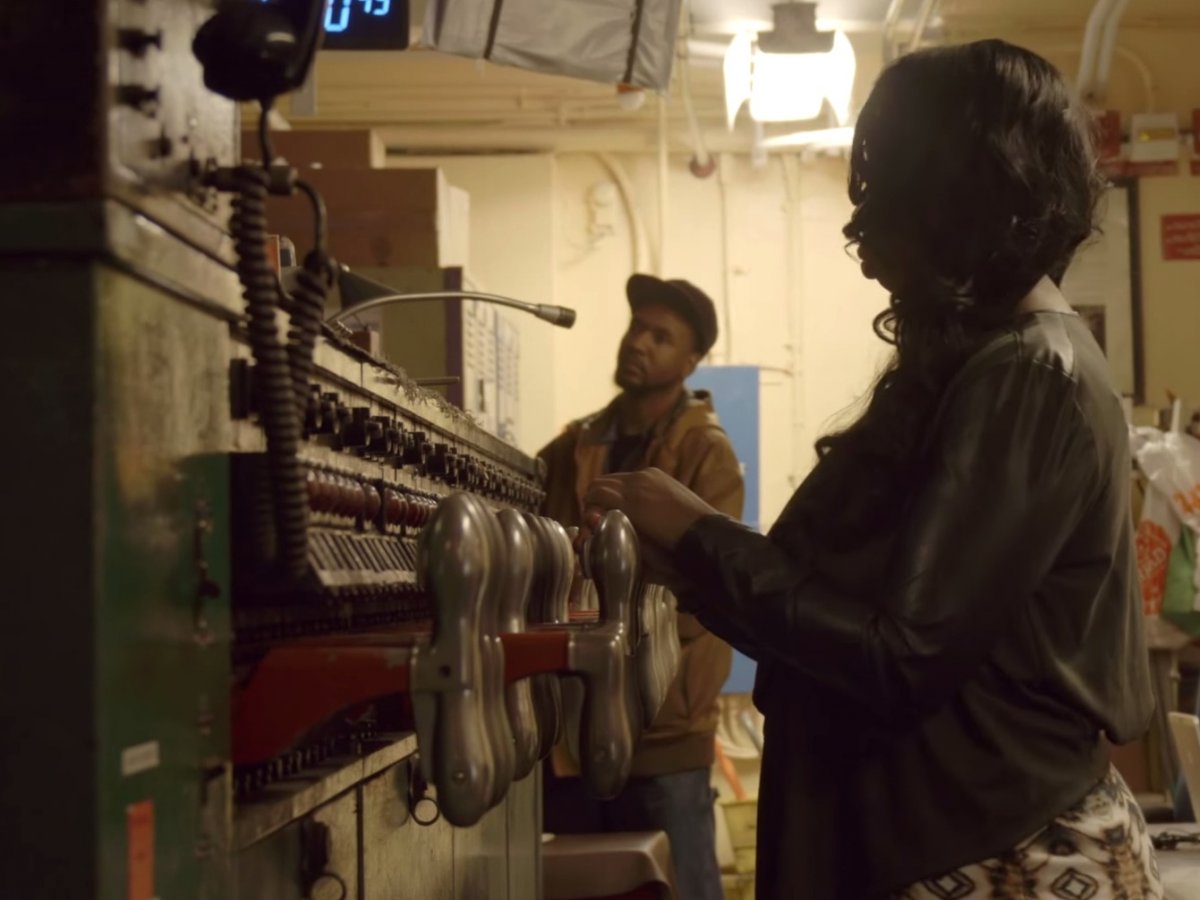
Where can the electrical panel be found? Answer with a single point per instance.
(284, 623)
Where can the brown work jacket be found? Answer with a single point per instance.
(689, 445)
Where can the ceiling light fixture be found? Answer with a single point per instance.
(789, 73)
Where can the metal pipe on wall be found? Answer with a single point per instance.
(722, 163)
(702, 160)
(405, 140)
(637, 224)
(1146, 75)
(1092, 36)
(890, 21)
(663, 174)
(1108, 45)
(793, 290)
(1139, 65)
(923, 17)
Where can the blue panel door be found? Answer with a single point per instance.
(735, 394)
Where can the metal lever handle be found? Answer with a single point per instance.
(604, 657)
(496, 717)
(447, 675)
(517, 552)
(658, 652)
(606, 734)
(559, 600)
(546, 690)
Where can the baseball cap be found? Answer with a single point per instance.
(682, 297)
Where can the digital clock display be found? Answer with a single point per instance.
(364, 24)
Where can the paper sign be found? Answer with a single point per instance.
(140, 758)
(1181, 236)
(139, 835)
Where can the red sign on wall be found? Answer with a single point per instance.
(1181, 236)
(139, 826)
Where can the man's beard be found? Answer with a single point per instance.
(642, 386)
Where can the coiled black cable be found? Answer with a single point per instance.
(282, 370)
(307, 311)
(274, 383)
(307, 308)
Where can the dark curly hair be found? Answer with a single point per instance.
(972, 167)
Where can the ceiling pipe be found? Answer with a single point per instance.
(1108, 46)
(1150, 91)
(923, 18)
(1092, 37)
(890, 20)
(702, 164)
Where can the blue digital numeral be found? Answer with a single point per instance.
(338, 12)
(339, 21)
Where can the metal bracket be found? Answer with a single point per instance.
(418, 793)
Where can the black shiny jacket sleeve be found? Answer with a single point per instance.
(1013, 467)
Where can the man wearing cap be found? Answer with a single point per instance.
(655, 422)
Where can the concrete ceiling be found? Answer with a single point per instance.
(1078, 9)
(727, 16)
(422, 99)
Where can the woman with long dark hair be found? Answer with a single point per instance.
(945, 615)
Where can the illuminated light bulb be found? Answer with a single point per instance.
(788, 87)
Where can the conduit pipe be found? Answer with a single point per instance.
(793, 315)
(722, 164)
(1139, 65)
(1108, 46)
(890, 20)
(1093, 35)
(664, 171)
(702, 163)
(637, 224)
(923, 17)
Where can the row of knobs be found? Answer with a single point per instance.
(380, 437)
(355, 501)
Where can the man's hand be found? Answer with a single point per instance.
(660, 509)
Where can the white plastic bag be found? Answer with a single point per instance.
(1171, 463)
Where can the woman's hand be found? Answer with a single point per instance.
(660, 509)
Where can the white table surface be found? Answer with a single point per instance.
(1180, 868)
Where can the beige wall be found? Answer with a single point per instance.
(766, 244)
(512, 252)
(1170, 295)
(1159, 66)
(1153, 68)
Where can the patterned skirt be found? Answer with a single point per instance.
(1097, 850)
